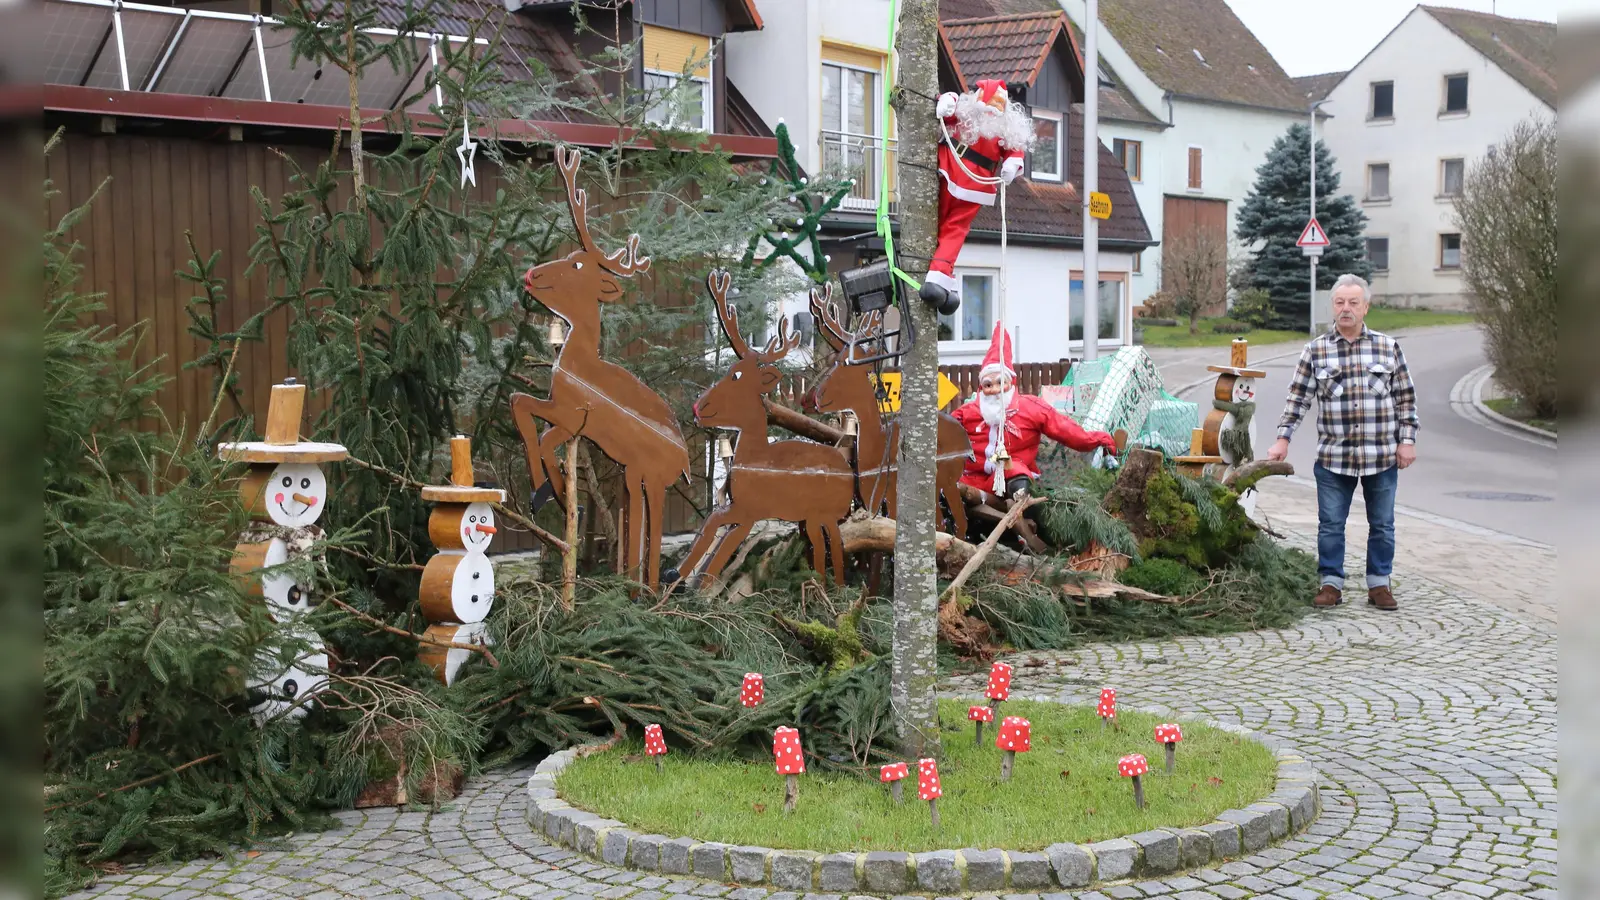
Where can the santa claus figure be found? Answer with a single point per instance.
(988, 136)
(1005, 427)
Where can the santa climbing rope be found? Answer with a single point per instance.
(985, 138)
(1005, 427)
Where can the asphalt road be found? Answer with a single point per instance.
(1461, 465)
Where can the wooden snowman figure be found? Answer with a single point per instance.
(1228, 437)
(458, 583)
(285, 491)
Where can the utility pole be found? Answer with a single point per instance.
(1311, 300)
(916, 588)
(1091, 183)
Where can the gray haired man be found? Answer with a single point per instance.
(1366, 433)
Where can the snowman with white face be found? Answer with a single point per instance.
(286, 690)
(296, 494)
(457, 589)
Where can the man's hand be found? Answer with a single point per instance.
(1010, 169)
(1279, 451)
(1406, 455)
(1108, 443)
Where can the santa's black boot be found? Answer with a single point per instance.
(941, 291)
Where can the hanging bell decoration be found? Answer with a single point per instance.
(558, 333)
(724, 448)
(851, 426)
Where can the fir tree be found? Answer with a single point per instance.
(1275, 212)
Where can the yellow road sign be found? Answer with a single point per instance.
(891, 389)
(1099, 205)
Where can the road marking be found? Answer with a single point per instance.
(1466, 398)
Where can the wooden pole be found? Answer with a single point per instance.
(660, 766)
(791, 792)
(1172, 757)
(284, 412)
(977, 733)
(569, 559)
(1006, 760)
(1138, 792)
(897, 791)
(933, 811)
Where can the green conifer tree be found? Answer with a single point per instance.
(1275, 211)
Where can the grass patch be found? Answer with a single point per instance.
(1512, 408)
(1066, 789)
(1388, 318)
(1179, 336)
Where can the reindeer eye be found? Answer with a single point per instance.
(577, 265)
(737, 375)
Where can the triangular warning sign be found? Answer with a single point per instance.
(1313, 236)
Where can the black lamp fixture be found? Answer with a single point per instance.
(874, 288)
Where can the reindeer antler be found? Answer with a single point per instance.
(833, 331)
(627, 261)
(780, 345)
(568, 159)
(718, 283)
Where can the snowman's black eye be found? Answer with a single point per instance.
(472, 518)
(290, 688)
(287, 481)
(294, 594)
(475, 574)
(305, 483)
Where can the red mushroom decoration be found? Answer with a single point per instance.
(892, 774)
(791, 760)
(999, 684)
(1015, 737)
(1170, 734)
(928, 786)
(979, 715)
(654, 744)
(1107, 708)
(751, 694)
(1132, 766)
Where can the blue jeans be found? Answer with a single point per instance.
(1334, 492)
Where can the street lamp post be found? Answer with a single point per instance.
(1311, 299)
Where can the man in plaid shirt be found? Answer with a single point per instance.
(1366, 433)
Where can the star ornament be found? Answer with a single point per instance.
(466, 153)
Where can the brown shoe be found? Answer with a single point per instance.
(1382, 598)
(1328, 597)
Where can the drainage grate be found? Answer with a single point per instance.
(1502, 496)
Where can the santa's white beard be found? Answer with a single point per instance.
(976, 120)
(993, 409)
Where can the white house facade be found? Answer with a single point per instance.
(1191, 102)
(1408, 121)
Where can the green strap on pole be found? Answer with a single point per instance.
(885, 229)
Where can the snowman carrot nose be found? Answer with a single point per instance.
(486, 529)
(302, 498)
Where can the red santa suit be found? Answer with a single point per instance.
(990, 143)
(1026, 419)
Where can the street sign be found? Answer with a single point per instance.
(1311, 250)
(1099, 205)
(891, 392)
(1313, 235)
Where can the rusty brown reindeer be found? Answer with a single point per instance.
(848, 386)
(596, 399)
(794, 481)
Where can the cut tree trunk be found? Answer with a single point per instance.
(914, 670)
(802, 424)
(1126, 499)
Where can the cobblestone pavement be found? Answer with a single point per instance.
(1434, 730)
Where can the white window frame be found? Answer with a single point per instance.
(1124, 311)
(1372, 110)
(873, 103)
(1460, 249)
(1388, 251)
(1061, 138)
(1444, 193)
(707, 106)
(1368, 196)
(980, 342)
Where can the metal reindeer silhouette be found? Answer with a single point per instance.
(794, 481)
(596, 399)
(847, 386)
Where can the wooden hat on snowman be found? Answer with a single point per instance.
(458, 583)
(284, 491)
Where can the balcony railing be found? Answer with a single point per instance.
(860, 156)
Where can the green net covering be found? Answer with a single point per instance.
(1124, 390)
(1168, 425)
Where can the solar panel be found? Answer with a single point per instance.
(205, 56)
(69, 37)
(145, 35)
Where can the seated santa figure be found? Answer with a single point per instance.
(1006, 426)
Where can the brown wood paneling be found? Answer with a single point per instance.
(1183, 214)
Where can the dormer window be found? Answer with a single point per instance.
(1046, 155)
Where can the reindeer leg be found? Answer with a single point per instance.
(702, 542)
(958, 508)
(730, 543)
(655, 498)
(550, 443)
(819, 549)
(836, 543)
(633, 559)
(526, 411)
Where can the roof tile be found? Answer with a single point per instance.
(1199, 48)
(1525, 49)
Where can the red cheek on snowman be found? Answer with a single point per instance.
(278, 498)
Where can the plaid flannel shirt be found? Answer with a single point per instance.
(1366, 404)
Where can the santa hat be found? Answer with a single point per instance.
(998, 359)
(988, 87)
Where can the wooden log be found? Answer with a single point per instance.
(461, 461)
(1251, 469)
(284, 412)
(1017, 508)
(791, 792)
(801, 424)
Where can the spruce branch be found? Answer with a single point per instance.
(480, 649)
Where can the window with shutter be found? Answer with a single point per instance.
(1194, 169)
(1377, 181)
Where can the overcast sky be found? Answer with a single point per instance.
(1308, 37)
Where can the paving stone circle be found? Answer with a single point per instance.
(1432, 731)
(1288, 810)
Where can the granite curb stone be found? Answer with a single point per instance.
(1290, 809)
